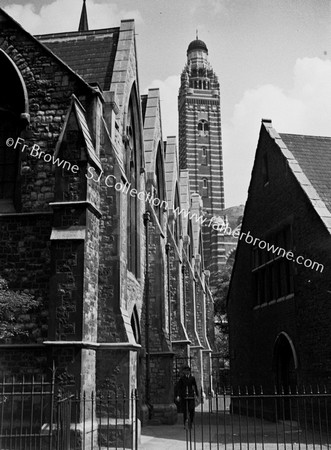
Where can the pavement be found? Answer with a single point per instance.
(230, 432)
(163, 437)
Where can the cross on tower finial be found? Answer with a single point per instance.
(196, 34)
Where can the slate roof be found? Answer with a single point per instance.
(313, 153)
(308, 157)
(91, 54)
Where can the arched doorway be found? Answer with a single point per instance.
(285, 362)
(285, 369)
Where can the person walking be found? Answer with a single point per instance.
(185, 391)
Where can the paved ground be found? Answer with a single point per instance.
(223, 433)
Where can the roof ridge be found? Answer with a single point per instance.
(76, 33)
(305, 135)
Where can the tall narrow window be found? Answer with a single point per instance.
(133, 152)
(177, 223)
(132, 201)
(204, 161)
(265, 170)
(159, 194)
(204, 189)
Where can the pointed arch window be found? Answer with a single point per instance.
(177, 223)
(159, 193)
(13, 118)
(133, 152)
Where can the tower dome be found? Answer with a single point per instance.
(197, 44)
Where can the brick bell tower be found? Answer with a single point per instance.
(200, 146)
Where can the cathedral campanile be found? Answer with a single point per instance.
(200, 145)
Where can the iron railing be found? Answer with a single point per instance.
(26, 410)
(251, 419)
(36, 415)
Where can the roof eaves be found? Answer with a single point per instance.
(51, 37)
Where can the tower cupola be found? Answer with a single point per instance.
(197, 45)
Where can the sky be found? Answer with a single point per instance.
(272, 58)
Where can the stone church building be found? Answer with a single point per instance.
(89, 223)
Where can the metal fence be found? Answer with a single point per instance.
(252, 419)
(35, 415)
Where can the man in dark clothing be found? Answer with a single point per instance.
(185, 392)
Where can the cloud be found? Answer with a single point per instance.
(304, 109)
(215, 7)
(61, 15)
(168, 94)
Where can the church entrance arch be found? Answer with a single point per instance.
(285, 368)
(285, 362)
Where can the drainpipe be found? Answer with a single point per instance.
(167, 248)
(147, 218)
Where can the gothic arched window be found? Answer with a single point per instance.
(177, 224)
(13, 106)
(133, 151)
(159, 194)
